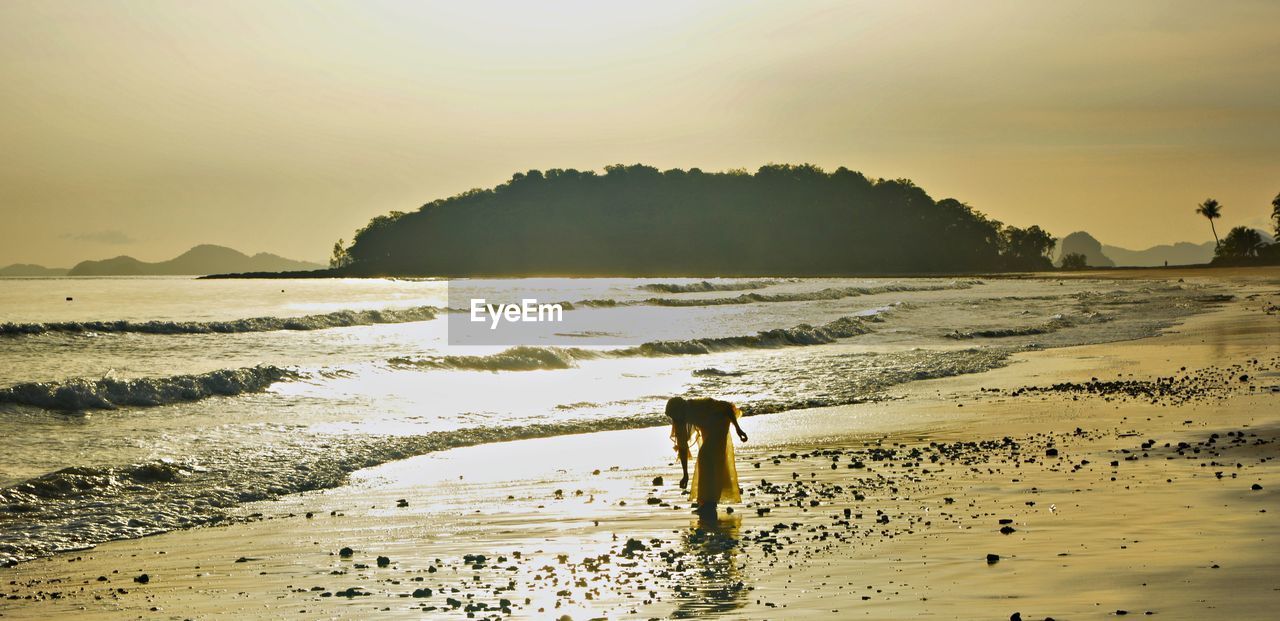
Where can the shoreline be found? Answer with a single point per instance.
(466, 502)
(1119, 272)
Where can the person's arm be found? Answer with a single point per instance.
(742, 435)
(684, 467)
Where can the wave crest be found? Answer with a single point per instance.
(532, 358)
(110, 393)
(523, 358)
(704, 286)
(80, 481)
(337, 319)
(830, 293)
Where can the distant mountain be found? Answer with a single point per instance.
(1083, 243)
(28, 269)
(204, 259)
(1181, 253)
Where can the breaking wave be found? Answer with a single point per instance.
(830, 293)
(110, 393)
(1055, 323)
(704, 286)
(530, 358)
(997, 333)
(338, 319)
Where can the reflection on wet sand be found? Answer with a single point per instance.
(709, 576)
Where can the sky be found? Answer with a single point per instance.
(145, 128)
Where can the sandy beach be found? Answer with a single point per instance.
(1134, 478)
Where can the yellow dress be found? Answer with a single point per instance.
(715, 477)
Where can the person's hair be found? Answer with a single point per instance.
(683, 433)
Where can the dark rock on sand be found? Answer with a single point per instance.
(993, 559)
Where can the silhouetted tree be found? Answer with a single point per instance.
(340, 257)
(638, 220)
(1241, 242)
(1074, 261)
(1212, 210)
(1027, 249)
(1275, 216)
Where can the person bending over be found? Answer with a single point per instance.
(706, 422)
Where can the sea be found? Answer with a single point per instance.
(136, 405)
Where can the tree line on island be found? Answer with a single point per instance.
(1242, 245)
(638, 220)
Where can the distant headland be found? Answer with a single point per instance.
(200, 260)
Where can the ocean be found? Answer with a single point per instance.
(133, 406)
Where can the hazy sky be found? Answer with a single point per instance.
(144, 128)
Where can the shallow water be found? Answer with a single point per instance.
(146, 404)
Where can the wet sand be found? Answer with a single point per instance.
(1031, 489)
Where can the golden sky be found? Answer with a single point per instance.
(144, 128)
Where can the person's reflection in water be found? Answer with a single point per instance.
(707, 577)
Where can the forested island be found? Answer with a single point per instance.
(637, 220)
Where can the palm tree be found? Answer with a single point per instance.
(1212, 210)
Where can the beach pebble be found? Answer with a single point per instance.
(993, 559)
(1255, 487)
(402, 503)
(657, 481)
(142, 579)
(346, 552)
(383, 561)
